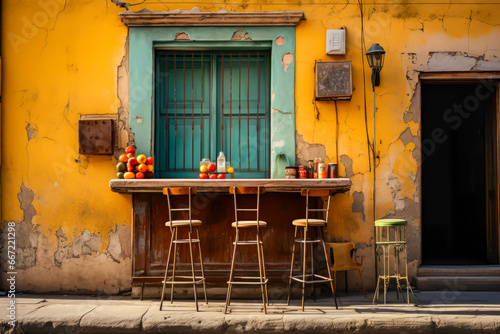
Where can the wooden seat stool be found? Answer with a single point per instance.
(306, 225)
(256, 224)
(390, 243)
(174, 226)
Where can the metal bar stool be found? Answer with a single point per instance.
(174, 226)
(248, 224)
(390, 243)
(306, 224)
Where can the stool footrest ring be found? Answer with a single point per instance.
(249, 283)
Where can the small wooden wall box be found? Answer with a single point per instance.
(96, 136)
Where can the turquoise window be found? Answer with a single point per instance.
(212, 101)
(144, 106)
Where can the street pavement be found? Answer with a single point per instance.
(436, 312)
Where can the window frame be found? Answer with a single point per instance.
(142, 44)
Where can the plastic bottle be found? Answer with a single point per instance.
(221, 163)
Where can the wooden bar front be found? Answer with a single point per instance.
(214, 206)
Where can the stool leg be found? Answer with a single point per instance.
(166, 271)
(408, 287)
(201, 263)
(192, 267)
(385, 277)
(291, 268)
(330, 274)
(231, 274)
(264, 267)
(376, 295)
(304, 269)
(142, 290)
(261, 274)
(312, 271)
(335, 279)
(173, 269)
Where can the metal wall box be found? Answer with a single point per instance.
(333, 80)
(335, 42)
(96, 136)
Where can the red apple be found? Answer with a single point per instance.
(213, 176)
(139, 175)
(203, 176)
(149, 161)
(130, 168)
(133, 161)
(221, 176)
(148, 175)
(211, 168)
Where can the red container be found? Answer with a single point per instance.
(302, 172)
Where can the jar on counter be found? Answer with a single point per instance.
(310, 169)
(332, 170)
(317, 161)
(291, 172)
(302, 172)
(322, 170)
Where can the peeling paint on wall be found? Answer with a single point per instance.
(279, 41)
(240, 36)
(26, 235)
(84, 244)
(357, 204)
(306, 151)
(347, 162)
(286, 60)
(181, 36)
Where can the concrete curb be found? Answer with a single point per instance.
(72, 319)
(75, 315)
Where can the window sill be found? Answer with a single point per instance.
(339, 185)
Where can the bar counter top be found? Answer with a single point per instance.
(339, 185)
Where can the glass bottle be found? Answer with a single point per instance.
(221, 163)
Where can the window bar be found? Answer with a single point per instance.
(266, 110)
(222, 105)
(239, 112)
(175, 110)
(210, 108)
(258, 100)
(230, 104)
(166, 84)
(192, 110)
(201, 109)
(184, 113)
(248, 111)
(166, 109)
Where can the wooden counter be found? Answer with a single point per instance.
(214, 206)
(278, 185)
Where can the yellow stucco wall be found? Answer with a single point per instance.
(66, 59)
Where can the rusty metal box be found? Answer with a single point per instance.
(96, 136)
(333, 80)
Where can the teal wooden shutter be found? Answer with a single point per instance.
(207, 102)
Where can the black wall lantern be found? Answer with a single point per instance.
(375, 56)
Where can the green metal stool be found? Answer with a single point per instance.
(390, 243)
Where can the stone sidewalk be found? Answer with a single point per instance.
(437, 312)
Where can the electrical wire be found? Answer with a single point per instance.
(363, 52)
(337, 132)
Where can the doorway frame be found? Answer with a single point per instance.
(460, 78)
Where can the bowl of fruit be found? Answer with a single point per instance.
(131, 167)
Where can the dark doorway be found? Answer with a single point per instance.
(459, 174)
